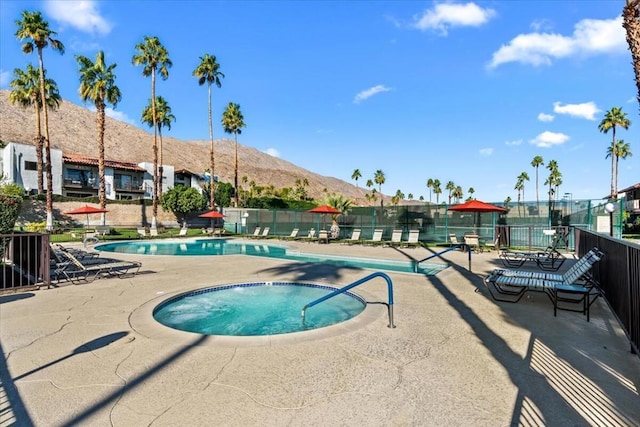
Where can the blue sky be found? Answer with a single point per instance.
(467, 92)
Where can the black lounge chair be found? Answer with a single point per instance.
(550, 259)
(575, 286)
(69, 267)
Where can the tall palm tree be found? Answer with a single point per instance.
(631, 23)
(233, 122)
(208, 71)
(471, 191)
(430, 187)
(523, 177)
(379, 178)
(612, 119)
(26, 93)
(437, 190)
(621, 150)
(163, 119)
(553, 181)
(536, 163)
(356, 175)
(154, 59)
(450, 187)
(457, 193)
(97, 84)
(35, 30)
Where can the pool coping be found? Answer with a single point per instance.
(141, 320)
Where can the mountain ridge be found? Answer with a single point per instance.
(72, 129)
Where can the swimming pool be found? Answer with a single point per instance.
(241, 247)
(255, 309)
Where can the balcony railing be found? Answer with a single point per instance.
(128, 186)
(632, 205)
(77, 183)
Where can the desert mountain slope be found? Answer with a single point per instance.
(73, 130)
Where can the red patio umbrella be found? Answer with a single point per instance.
(212, 215)
(86, 210)
(477, 206)
(324, 209)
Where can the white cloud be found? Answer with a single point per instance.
(368, 93)
(486, 152)
(548, 139)
(586, 110)
(118, 115)
(82, 15)
(447, 15)
(5, 78)
(514, 142)
(590, 37)
(272, 152)
(543, 117)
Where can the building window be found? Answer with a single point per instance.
(30, 166)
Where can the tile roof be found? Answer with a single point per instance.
(93, 161)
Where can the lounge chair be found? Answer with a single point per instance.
(376, 238)
(142, 232)
(492, 245)
(256, 232)
(511, 285)
(550, 259)
(265, 233)
(355, 236)
(473, 241)
(453, 239)
(293, 235)
(183, 232)
(323, 236)
(396, 238)
(153, 232)
(75, 270)
(413, 239)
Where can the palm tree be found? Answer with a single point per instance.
(163, 118)
(631, 23)
(620, 150)
(612, 119)
(26, 93)
(471, 191)
(537, 162)
(233, 122)
(410, 196)
(356, 175)
(380, 179)
(450, 187)
(430, 182)
(437, 190)
(154, 58)
(457, 193)
(399, 196)
(97, 84)
(36, 30)
(553, 181)
(208, 71)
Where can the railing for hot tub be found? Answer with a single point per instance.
(353, 285)
(462, 246)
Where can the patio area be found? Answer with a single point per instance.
(90, 355)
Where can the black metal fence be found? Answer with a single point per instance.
(619, 276)
(24, 261)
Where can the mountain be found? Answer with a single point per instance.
(72, 129)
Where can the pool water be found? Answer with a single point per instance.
(226, 247)
(252, 309)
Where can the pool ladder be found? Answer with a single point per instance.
(353, 285)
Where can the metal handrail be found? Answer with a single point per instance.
(353, 285)
(462, 246)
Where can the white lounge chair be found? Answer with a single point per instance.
(142, 232)
(396, 238)
(412, 240)
(376, 238)
(355, 236)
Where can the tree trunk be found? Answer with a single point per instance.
(38, 141)
(154, 219)
(212, 196)
(47, 144)
(160, 167)
(631, 23)
(101, 125)
(235, 177)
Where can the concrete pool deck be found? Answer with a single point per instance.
(88, 354)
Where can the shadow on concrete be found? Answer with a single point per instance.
(563, 374)
(12, 409)
(15, 297)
